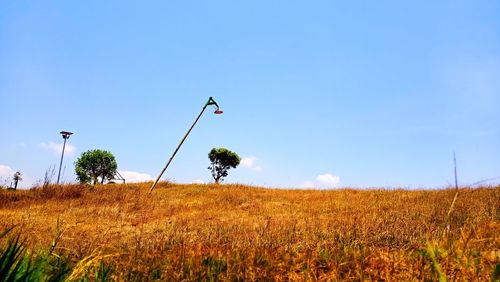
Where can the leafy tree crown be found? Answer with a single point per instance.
(95, 164)
(221, 160)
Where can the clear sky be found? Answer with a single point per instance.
(315, 93)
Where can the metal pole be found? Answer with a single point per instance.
(177, 149)
(60, 164)
(455, 165)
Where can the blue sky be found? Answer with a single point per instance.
(315, 93)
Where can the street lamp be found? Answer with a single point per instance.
(65, 136)
(211, 102)
(17, 178)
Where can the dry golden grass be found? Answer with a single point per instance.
(235, 232)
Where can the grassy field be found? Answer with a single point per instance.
(235, 232)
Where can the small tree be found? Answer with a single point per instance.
(95, 164)
(221, 161)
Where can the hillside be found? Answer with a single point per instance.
(235, 232)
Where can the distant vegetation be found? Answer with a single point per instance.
(236, 233)
(221, 160)
(95, 164)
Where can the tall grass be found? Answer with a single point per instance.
(236, 232)
(16, 264)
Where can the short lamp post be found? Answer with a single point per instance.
(211, 102)
(17, 178)
(65, 136)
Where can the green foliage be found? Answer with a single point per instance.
(11, 261)
(222, 160)
(214, 267)
(95, 164)
(17, 265)
(496, 273)
(433, 254)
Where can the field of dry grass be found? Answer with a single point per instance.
(236, 233)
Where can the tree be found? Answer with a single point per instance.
(221, 161)
(95, 164)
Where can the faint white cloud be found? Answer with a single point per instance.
(307, 184)
(249, 162)
(6, 172)
(323, 181)
(6, 175)
(133, 176)
(198, 181)
(328, 179)
(57, 148)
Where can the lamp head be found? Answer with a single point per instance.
(211, 102)
(66, 134)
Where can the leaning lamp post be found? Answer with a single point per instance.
(210, 102)
(65, 136)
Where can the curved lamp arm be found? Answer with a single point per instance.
(210, 102)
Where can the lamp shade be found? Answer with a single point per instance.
(66, 134)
